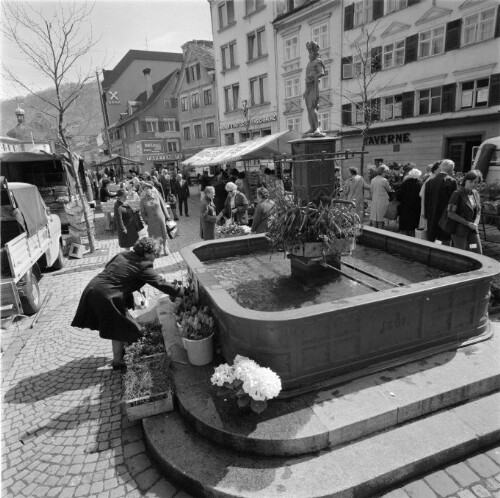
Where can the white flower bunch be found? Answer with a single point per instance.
(250, 382)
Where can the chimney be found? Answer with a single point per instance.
(149, 84)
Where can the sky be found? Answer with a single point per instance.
(156, 25)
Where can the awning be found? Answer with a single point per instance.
(259, 148)
(118, 160)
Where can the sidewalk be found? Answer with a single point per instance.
(63, 433)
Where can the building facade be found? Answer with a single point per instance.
(245, 68)
(197, 98)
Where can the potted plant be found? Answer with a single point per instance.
(314, 229)
(148, 386)
(196, 327)
(250, 384)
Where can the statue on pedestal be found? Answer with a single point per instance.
(314, 71)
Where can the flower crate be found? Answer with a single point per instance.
(148, 406)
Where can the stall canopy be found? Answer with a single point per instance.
(259, 148)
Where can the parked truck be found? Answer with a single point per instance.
(31, 242)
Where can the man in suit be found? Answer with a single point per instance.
(438, 191)
(181, 188)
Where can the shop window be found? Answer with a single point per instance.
(210, 130)
(431, 42)
(195, 100)
(208, 97)
(320, 35)
(474, 93)
(393, 5)
(184, 104)
(363, 12)
(253, 5)
(226, 13)
(394, 54)
(172, 146)
(324, 120)
(197, 131)
(231, 97)
(257, 44)
(258, 90)
(292, 87)
(392, 107)
(479, 27)
(429, 101)
(294, 124)
(291, 48)
(187, 133)
(229, 59)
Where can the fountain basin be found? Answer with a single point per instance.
(308, 345)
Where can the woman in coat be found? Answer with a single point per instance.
(104, 302)
(155, 215)
(408, 195)
(125, 221)
(220, 191)
(236, 205)
(104, 192)
(263, 211)
(464, 207)
(207, 214)
(354, 190)
(380, 189)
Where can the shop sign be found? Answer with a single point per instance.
(166, 157)
(253, 121)
(152, 146)
(391, 138)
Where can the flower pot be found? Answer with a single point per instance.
(201, 351)
(318, 249)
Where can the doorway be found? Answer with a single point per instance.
(459, 150)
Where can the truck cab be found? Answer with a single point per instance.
(31, 241)
(487, 160)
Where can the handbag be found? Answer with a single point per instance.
(138, 221)
(392, 210)
(446, 224)
(172, 229)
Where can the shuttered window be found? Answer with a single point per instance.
(346, 115)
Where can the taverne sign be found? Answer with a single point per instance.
(391, 138)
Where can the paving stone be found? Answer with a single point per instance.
(117, 492)
(166, 489)
(462, 474)
(465, 493)
(483, 465)
(492, 483)
(441, 483)
(419, 489)
(494, 454)
(146, 479)
(134, 448)
(480, 491)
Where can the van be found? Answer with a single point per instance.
(487, 160)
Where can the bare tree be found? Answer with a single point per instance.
(54, 45)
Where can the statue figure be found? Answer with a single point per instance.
(314, 71)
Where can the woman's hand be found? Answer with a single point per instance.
(473, 226)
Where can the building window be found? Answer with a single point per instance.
(229, 59)
(152, 125)
(166, 103)
(479, 27)
(184, 104)
(393, 5)
(324, 120)
(358, 114)
(324, 83)
(429, 101)
(292, 87)
(208, 97)
(320, 35)
(257, 44)
(294, 124)
(291, 48)
(258, 90)
(361, 64)
(172, 145)
(394, 54)
(195, 100)
(197, 131)
(474, 93)
(226, 13)
(169, 124)
(231, 97)
(137, 128)
(253, 5)
(431, 42)
(391, 107)
(118, 134)
(187, 133)
(193, 73)
(210, 130)
(363, 12)
(229, 138)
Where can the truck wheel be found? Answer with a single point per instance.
(59, 262)
(31, 301)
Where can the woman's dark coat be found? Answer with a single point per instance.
(408, 196)
(241, 205)
(207, 219)
(104, 302)
(124, 221)
(220, 195)
(460, 204)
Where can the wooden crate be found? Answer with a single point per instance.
(149, 405)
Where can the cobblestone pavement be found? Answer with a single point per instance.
(63, 433)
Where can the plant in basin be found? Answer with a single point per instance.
(251, 384)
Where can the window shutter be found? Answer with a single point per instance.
(144, 127)
(448, 97)
(346, 68)
(198, 73)
(374, 110)
(411, 48)
(177, 127)
(407, 104)
(346, 115)
(453, 29)
(376, 55)
(497, 27)
(349, 17)
(187, 75)
(494, 97)
(378, 9)
(412, 2)
(161, 126)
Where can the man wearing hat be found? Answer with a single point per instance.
(181, 189)
(236, 205)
